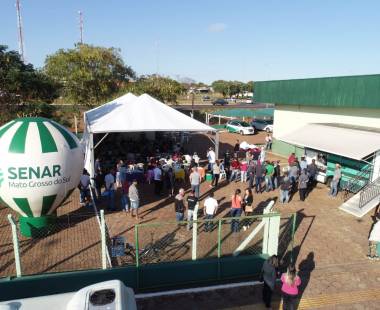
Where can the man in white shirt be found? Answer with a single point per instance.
(374, 239)
(211, 158)
(84, 186)
(109, 181)
(157, 177)
(210, 208)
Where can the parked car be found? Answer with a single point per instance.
(220, 102)
(206, 98)
(248, 100)
(240, 127)
(262, 124)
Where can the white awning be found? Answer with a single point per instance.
(347, 142)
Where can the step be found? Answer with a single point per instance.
(352, 206)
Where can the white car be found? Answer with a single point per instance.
(262, 124)
(240, 127)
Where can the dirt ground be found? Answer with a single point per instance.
(330, 245)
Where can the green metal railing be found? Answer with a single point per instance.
(170, 241)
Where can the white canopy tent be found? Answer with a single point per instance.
(136, 114)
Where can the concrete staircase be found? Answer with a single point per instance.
(364, 201)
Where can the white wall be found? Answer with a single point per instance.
(290, 118)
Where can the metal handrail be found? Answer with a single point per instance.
(357, 183)
(371, 191)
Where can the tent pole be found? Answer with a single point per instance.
(101, 140)
(217, 145)
(92, 161)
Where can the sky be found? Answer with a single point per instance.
(210, 39)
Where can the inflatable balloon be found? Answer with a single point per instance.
(40, 165)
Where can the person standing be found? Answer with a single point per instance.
(335, 181)
(237, 149)
(235, 168)
(84, 187)
(195, 181)
(259, 173)
(179, 206)
(248, 208)
(302, 184)
(303, 163)
(262, 155)
(293, 175)
(276, 174)
(170, 181)
(191, 203)
(125, 196)
(374, 239)
(215, 174)
(291, 160)
(269, 274)
(210, 209)
(284, 188)
(211, 158)
(134, 198)
(269, 171)
(251, 174)
(109, 180)
(227, 163)
(99, 182)
(312, 171)
(243, 171)
(268, 142)
(236, 210)
(118, 177)
(157, 177)
(290, 283)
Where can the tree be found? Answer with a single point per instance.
(249, 86)
(159, 87)
(22, 88)
(88, 74)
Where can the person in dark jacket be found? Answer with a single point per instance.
(179, 205)
(302, 184)
(312, 171)
(251, 174)
(259, 174)
(227, 163)
(191, 203)
(276, 174)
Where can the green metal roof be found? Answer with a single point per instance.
(254, 113)
(360, 91)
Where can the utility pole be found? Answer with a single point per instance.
(81, 26)
(20, 32)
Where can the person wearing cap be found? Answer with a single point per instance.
(191, 203)
(335, 181)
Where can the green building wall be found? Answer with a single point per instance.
(285, 149)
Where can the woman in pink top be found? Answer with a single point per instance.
(236, 210)
(290, 283)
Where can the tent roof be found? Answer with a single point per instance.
(144, 113)
(339, 140)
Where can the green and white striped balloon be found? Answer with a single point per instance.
(40, 165)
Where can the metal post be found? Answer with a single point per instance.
(192, 104)
(103, 232)
(15, 245)
(219, 238)
(76, 125)
(293, 232)
(137, 245)
(217, 145)
(195, 233)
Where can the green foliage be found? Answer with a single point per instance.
(22, 87)
(89, 74)
(161, 88)
(229, 88)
